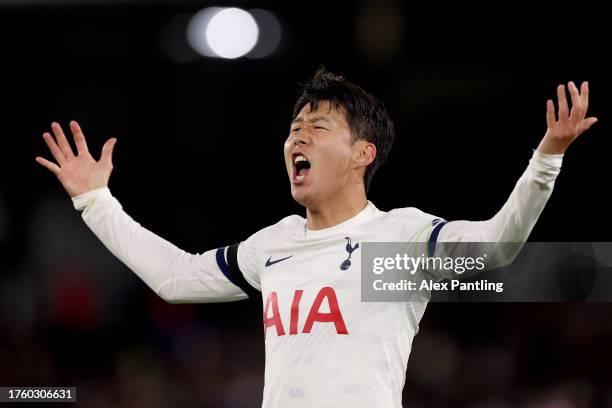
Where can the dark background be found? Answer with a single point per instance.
(199, 162)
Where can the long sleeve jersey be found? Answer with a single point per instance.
(324, 346)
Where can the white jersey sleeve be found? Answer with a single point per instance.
(247, 260)
(515, 220)
(175, 275)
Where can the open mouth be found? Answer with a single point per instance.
(301, 167)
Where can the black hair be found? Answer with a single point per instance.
(366, 115)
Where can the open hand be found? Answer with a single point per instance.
(81, 173)
(562, 131)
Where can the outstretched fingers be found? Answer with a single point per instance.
(79, 137)
(585, 123)
(566, 125)
(562, 100)
(550, 114)
(107, 152)
(53, 168)
(588, 122)
(54, 148)
(577, 112)
(62, 141)
(584, 96)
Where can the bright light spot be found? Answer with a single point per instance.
(231, 33)
(196, 31)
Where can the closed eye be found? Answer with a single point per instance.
(316, 127)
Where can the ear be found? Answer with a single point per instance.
(364, 153)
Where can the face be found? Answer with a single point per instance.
(320, 158)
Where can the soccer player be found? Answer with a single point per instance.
(324, 347)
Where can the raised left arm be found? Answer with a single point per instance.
(515, 220)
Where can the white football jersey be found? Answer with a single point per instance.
(324, 347)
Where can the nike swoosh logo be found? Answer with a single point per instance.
(269, 262)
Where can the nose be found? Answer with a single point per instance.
(301, 138)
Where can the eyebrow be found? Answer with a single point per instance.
(312, 120)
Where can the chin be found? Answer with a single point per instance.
(302, 197)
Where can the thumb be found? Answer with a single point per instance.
(588, 122)
(107, 151)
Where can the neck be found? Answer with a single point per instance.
(336, 210)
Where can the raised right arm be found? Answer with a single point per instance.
(175, 275)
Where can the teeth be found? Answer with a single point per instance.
(300, 158)
(299, 178)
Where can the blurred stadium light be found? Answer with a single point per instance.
(232, 32)
(223, 32)
(196, 31)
